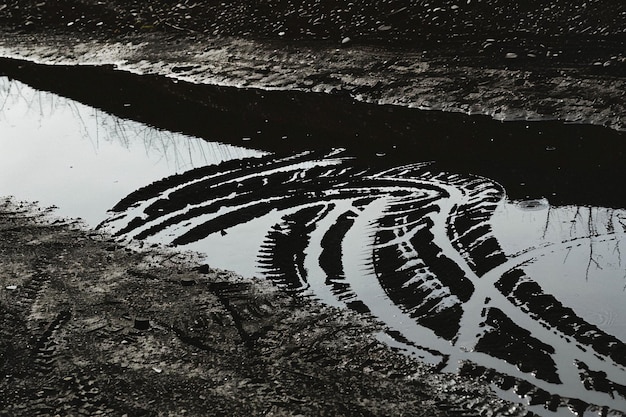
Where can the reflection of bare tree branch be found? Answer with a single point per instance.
(567, 255)
(178, 151)
(588, 223)
(8, 94)
(574, 221)
(592, 229)
(545, 228)
(95, 115)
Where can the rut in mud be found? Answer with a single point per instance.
(92, 327)
(410, 245)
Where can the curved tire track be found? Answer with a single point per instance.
(409, 239)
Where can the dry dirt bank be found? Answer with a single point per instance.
(92, 327)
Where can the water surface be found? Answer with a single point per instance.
(83, 160)
(524, 291)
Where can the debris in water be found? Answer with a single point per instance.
(534, 204)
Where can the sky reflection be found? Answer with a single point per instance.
(57, 150)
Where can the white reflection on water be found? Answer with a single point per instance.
(60, 152)
(578, 253)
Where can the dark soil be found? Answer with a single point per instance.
(88, 326)
(562, 30)
(564, 60)
(388, 20)
(91, 327)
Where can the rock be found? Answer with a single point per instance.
(187, 281)
(142, 323)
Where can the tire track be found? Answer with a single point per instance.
(413, 247)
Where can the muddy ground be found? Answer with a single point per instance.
(93, 327)
(530, 61)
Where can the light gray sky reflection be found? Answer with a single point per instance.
(60, 152)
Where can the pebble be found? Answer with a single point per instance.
(346, 40)
(142, 323)
(187, 281)
(511, 55)
(11, 287)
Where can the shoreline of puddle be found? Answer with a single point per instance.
(382, 154)
(431, 79)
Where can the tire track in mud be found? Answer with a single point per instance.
(410, 245)
(45, 346)
(40, 327)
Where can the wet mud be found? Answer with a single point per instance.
(439, 76)
(93, 327)
(369, 221)
(390, 164)
(419, 238)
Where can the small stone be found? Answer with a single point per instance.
(187, 282)
(157, 370)
(204, 269)
(384, 28)
(11, 287)
(142, 323)
(346, 40)
(510, 55)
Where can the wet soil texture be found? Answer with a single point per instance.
(249, 349)
(525, 61)
(91, 327)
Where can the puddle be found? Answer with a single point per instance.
(62, 153)
(523, 291)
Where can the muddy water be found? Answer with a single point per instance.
(520, 290)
